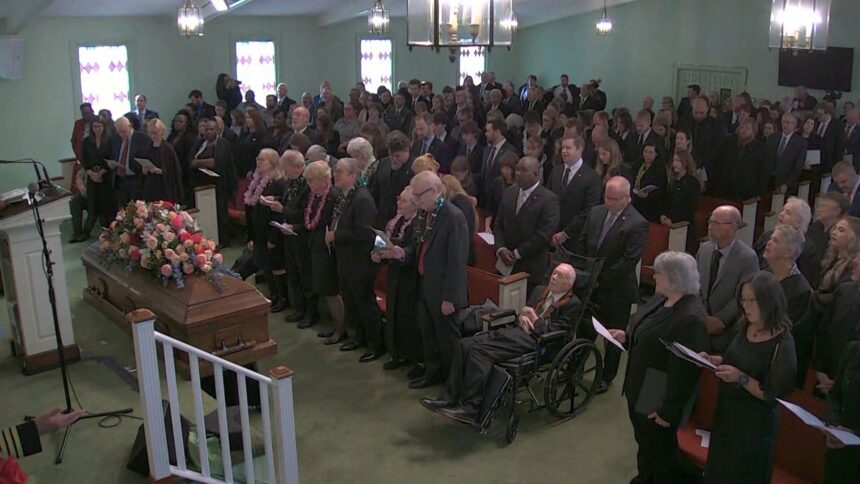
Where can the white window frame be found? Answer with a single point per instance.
(78, 82)
(259, 95)
(372, 88)
(462, 75)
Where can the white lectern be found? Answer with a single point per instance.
(26, 286)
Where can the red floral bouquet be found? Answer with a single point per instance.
(161, 239)
(11, 472)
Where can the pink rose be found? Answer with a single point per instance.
(138, 223)
(188, 244)
(169, 236)
(177, 222)
(212, 245)
(180, 249)
(218, 258)
(105, 246)
(199, 260)
(197, 237)
(124, 237)
(166, 270)
(170, 254)
(188, 269)
(184, 256)
(152, 243)
(141, 212)
(206, 267)
(134, 251)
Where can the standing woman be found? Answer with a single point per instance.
(317, 219)
(841, 463)
(266, 181)
(674, 314)
(649, 183)
(455, 194)
(100, 199)
(682, 194)
(228, 91)
(836, 263)
(251, 143)
(759, 366)
(610, 162)
(402, 334)
(165, 182)
(183, 138)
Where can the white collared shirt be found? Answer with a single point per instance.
(574, 168)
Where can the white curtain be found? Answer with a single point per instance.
(376, 63)
(255, 67)
(104, 78)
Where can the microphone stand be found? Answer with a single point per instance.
(49, 274)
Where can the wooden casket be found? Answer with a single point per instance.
(232, 324)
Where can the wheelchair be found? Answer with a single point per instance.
(569, 368)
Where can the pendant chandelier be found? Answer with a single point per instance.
(454, 24)
(378, 19)
(799, 24)
(604, 23)
(189, 20)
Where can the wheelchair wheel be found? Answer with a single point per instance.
(572, 379)
(512, 427)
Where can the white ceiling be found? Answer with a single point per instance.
(17, 13)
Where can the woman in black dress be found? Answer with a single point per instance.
(842, 464)
(455, 193)
(674, 314)
(682, 195)
(759, 366)
(649, 183)
(250, 144)
(100, 198)
(781, 253)
(227, 90)
(267, 181)
(317, 216)
(183, 139)
(164, 181)
(402, 334)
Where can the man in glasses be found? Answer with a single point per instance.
(724, 261)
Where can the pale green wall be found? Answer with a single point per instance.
(651, 36)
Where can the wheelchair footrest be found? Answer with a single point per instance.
(497, 388)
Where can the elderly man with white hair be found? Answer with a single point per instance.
(129, 174)
(795, 213)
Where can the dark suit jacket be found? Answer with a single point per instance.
(589, 103)
(385, 187)
(515, 106)
(831, 146)
(399, 121)
(684, 323)
(744, 171)
(528, 231)
(650, 206)
(685, 109)
(621, 250)
(444, 276)
(727, 120)
(851, 144)
(538, 106)
(559, 316)
(490, 173)
(475, 157)
(286, 103)
(707, 138)
(353, 239)
(633, 149)
(838, 327)
(786, 168)
(140, 147)
(582, 193)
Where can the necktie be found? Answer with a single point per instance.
(550, 300)
(123, 158)
(607, 224)
(821, 129)
(521, 199)
(491, 158)
(782, 145)
(468, 151)
(565, 179)
(641, 141)
(715, 269)
(421, 253)
(424, 147)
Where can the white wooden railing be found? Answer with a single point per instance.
(281, 459)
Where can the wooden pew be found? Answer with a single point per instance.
(803, 188)
(749, 215)
(749, 209)
(207, 211)
(771, 217)
(826, 179)
(67, 168)
(236, 207)
(660, 239)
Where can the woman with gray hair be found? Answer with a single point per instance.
(362, 151)
(781, 252)
(674, 314)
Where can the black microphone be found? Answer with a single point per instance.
(33, 187)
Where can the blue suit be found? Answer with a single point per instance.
(854, 209)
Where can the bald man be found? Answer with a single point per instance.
(526, 221)
(301, 124)
(439, 248)
(129, 175)
(724, 261)
(617, 233)
(553, 307)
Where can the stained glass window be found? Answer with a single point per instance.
(255, 67)
(104, 78)
(472, 63)
(376, 63)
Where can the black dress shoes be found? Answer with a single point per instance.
(326, 333)
(370, 356)
(333, 340)
(393, 364)
(434, 405)
(417, 371)
(294, 316)
(350, 346)
(602, 388)
(424, 382)
(305, 323)
(278, 305)
(457, 413)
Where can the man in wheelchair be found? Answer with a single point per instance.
(554, 309)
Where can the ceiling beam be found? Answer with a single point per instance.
(23, 13)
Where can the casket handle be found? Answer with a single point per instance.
(239, 346)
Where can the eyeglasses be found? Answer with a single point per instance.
(422, 193)
(717, 222)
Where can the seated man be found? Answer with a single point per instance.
(554, 310)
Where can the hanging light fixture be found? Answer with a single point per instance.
(453, 24)
(378, 19)
(189, 20)
(604, 23)
(799, 24)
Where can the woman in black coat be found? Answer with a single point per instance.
(682, 195)
(227, 90)
(101, 204)
(759, 366)
(455, 193)
(252, 141)
(674, 314)
(744, 170)
(842, 464)
(402, 334)
(838, 326)
(183, 139)
(649, 183)
(165, 181)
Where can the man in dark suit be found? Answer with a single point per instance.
(847, 181)
(685, 107)
(577, 187)
(486, 86)
(513, 102)
(204, 110)
(526, 221)
(785, 155)
(439, 249)
(494, 101)
(392, 175)
(552, 308)
(616, 233)
(497, 146)
(707, 135)
(533, 102)
(564, 87)
(399, 117)
(524, 89)
(215, 154)
(446, 148)
(129, 174)
(586, 100)
(283, 100)
(642, 137)
(143, 115)
(724, 261)
(851, 136)
(470, 146)
(425, 141)
(350, 233)
(301, 120)
(732, 118)
(831, 135)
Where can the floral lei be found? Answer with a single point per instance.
(312, 218)
(397, 226)
(425, 222)
(293, 188)
(343, 201)
(255, 188)
(368, 172)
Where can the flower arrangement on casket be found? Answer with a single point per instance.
(163, 240)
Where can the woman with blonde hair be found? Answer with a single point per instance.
(164, 180)
(836, 263)
(455, 194)
(425, 162)
(610, 162)
(682, 193)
